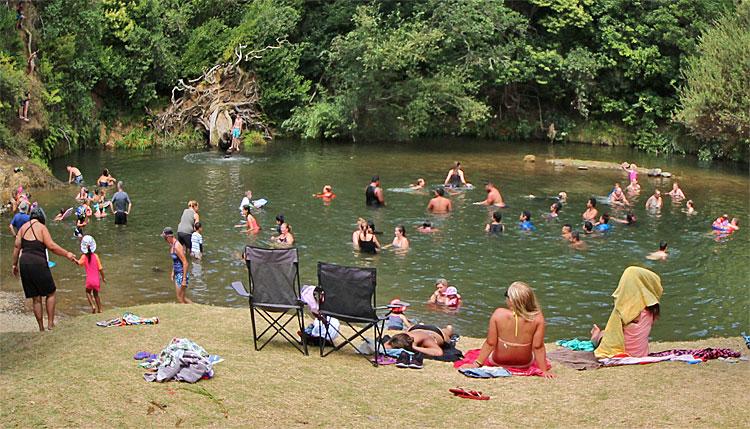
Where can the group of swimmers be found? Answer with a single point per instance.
(94, 203)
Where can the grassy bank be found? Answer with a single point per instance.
(81, 375)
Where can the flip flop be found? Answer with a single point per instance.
(457, 391)
(141, 355)
(473, 394)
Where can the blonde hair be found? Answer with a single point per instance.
(193, 204)
(523, 301)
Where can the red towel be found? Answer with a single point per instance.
(472, 355)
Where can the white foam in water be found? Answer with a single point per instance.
(219, 158)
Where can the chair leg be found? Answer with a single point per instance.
(301, 319)
(255, 333)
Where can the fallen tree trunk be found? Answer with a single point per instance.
(213, 100)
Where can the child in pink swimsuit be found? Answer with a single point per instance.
(93, 266)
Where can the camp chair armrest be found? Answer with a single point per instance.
(240, 289)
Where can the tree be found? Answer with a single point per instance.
(715, 100)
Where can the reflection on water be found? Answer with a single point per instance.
(705, 280)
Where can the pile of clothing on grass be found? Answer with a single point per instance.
(181, 360)
(128, 319)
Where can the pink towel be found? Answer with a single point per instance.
(472, 355)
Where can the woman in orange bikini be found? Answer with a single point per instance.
(515, 337)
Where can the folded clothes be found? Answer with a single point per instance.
(577, 345)
(485, 372)
(704, 354)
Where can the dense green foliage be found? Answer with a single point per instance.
(391, 69)
(716, 98)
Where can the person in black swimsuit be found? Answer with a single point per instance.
(455, 177)
(367, 241)
(374, 194)
(496, 226)
(30, 260)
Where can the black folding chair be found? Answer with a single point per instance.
(348, 294)
(274, 294)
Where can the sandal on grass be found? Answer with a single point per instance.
(469, 394)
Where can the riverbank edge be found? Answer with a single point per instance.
(93, 369)
(18, 171)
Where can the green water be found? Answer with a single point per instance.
(705, 280)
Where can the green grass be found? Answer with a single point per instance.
(81, 375)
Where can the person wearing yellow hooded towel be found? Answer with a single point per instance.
(636, 307)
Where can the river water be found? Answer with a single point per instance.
(705, 279)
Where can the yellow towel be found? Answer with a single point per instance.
(638, 289)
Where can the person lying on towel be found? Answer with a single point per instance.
(636, 308)
(515, 336)
(427, 339)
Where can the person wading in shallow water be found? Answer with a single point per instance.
(30, 261)
(374, 193)
(439, 204)
(179, 275)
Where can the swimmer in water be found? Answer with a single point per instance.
(554, 211)
(721, 223)
(654, 201)
(400, 242)
(419, 185)
(603, 224)
(617, 197)
(525, 221)
(60, 215)
(575, 241)
(327, 195)
(493, 196)
(629, 219)
(439, 204)
(633, 188)
(659, 255)
(285, 238)
(251, 225)
(734, 224)
(591, 213)
(374, 193)
(567, 230)
(427, 228)
(690, 207)
(676, 193)
(83, 194)
(99, 200)
(439, 297)
(74, 175)
(367, 242)
(361, 226)
(632, 173)
(562, 197)
(496, 226)
(588, 227)
(455, 177)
